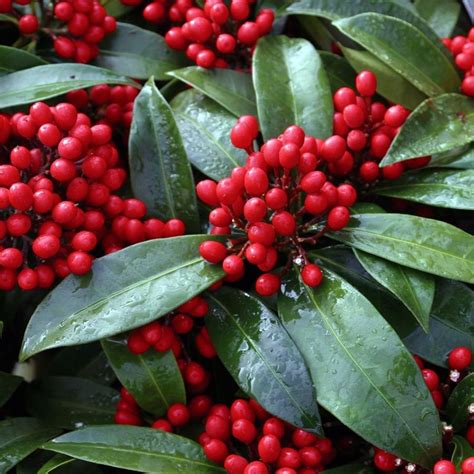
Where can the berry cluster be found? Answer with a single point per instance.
(75, 26)
(58, 173)
(462, 48)
(276, 201)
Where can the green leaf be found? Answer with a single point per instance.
(14, 59)
(153, 378)
(8, 384)
(159, 168)
(459, 158)
(436, 125)
(405, 49)
(340, 335)
(9, 18)
(231, 89)
(71, 402)
(317, 32)
(19, 437)
(262, 358)
(136, 449)
(338, 70)
(205, 129)
(416, 242)
(138, 53)
(351, 469)
(390, 83)
(451, 323)
(58, 462)
(287, 93)
(442, 188)
(462, 450)
(43, 82)
(413, 288)
(124, 290)
(458, 404)
(441, 15)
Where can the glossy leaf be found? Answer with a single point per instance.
(338, 70)
(14, 59)
(351, 469)
(413, 288)
(71, 402)
(451, 323)
(390, 84)
(160, 173)
(43, 82)
(317, 31)
(136, 449)
(458, 404)
(442, 188)
(205, 129)
(459, 158)
(462, 450)
(19, 437)
(416, 242)
(149, 280)
(231, 89)
(138, 53)
(8, 384)
(340, 335)
(441, 15)
(440, 124)
(153, 378)
(58, 462)
(405, 49)
(262, 358)
(291, 86)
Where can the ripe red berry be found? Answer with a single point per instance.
(384, 461)
(216, 451)
(79, 262)
(393, 171)
(467, 466)
(333, 148)
(46, 246)
(311, 275)
(28, 24)
(267, 284)
(244, 430)
(235, 464)
(269, 448)
(431, 379)
(213, 252)
(178, 414)
(460, 358)
(284, 223)
(366, 83)
(338, 218)
(233, 265)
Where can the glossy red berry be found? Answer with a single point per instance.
(213, 252)
(444, 467)
(338, 218)
(178, 414)
(269, 448)
(216, 451)
(311, 275)
(366, 83)
(384, 461)
(267, 284)
(460, 358)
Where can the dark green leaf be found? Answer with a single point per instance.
(9, 18)
(390, 83)
(262, 358)
(43, 82)
(138, 53)
(437, 125)
(340, 335)
(405, 49)
(351, 469)
(317, 32)
(14, 59)
(338, 70)
(459, 401)
(451, 323)
(98, 369)
(231, 89)
(416, 242)
(124, 290)
(71, 402)
(442, 188)
(205, 129)
(116, 8)
(60, 463)
(366, 208)
(136, 449)
(413, 288)
(8, 384)
(159, 168)
(462, 450)
(153, 378)
(441, 15)
(19, 437)
(459, 158)
(288, 93)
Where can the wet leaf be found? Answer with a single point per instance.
(413, 288)
(116, 8)
(318, 32)
(205, 129)
(462, 450)
(153, 378)
(19, 437)
(8, 384)
(14, 59)
(43, 82)
(150, 279)
(160, 173)
(60, 464)
(390, 84)
(262, 358)
(441, 15)
(416, 242)
(338, 70)
(136, 449)
(291, 87)
(458, 158)
(138, 53)
(231, 89)
(458, 404)
(451, 323)
(405, 49)
(441, 188)
(71, 402)
(340, 335)
(437, 125)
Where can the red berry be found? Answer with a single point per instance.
(431, 379)
(27, 279)
(256, 467)
(163, 425)
(344, 97)
(284, 223)
(338, 218)
(460, 358)
(235, 464)
(233, 265)
(467, 466)
(276, 199)
(346, 195)
(395, 116)
(369, 171)
(311, 275)
(267, 284)
(289, 457)
(178, 414)
(248, 33)
(28, 24)
(393, 171)
(256, 182)
(384, 461)
(262, 233)
(11, 258)
(244, 430)
(269, 448)
(46, 246)
(333, 148)
(366, 83)
(444, 467)
(20, 196)
(216, 451)
(313, 181)
(225, 43)
(79, 262)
